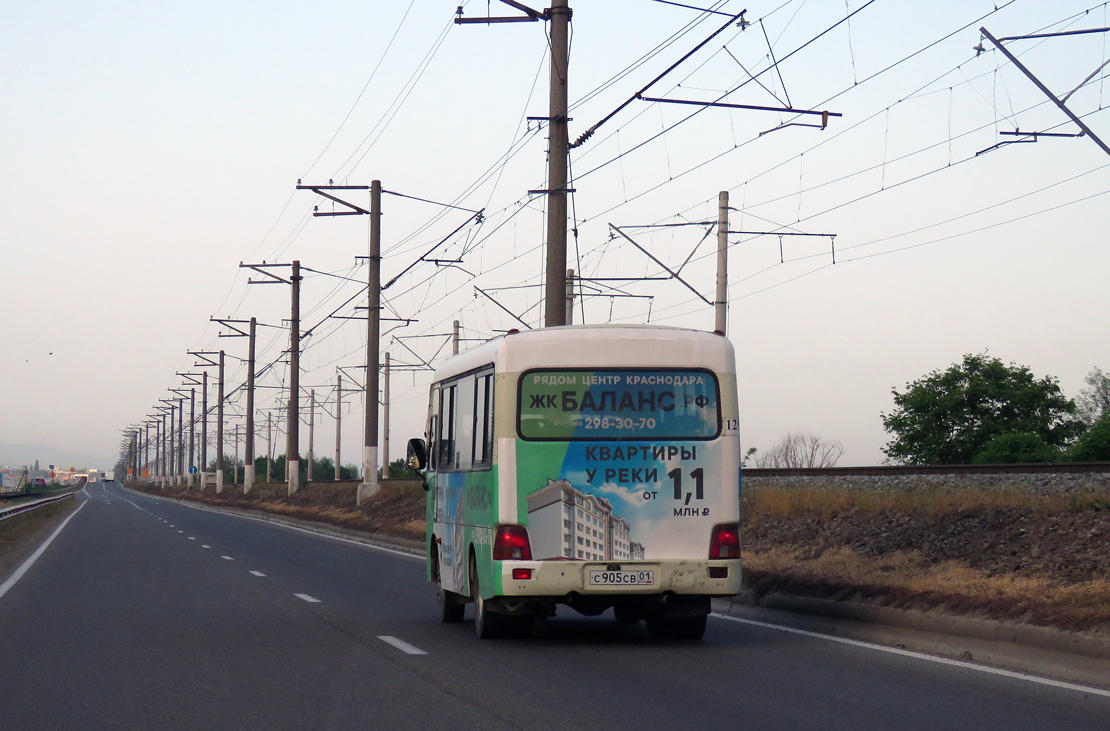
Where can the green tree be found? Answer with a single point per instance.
(1014, 447)
(398, 469)
(949, 416)
(1094, 445)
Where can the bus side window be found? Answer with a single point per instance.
(446, 439)
(464, 424)
(433, 443)
(483, 422)
(433, 430)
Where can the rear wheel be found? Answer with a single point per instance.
(677, 628)
(487, 625)
(451, 606)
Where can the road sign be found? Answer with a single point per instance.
(129, 470)
(192, 469)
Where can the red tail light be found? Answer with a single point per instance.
(725, 542)
(512, 543)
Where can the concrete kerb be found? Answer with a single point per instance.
(405, 545)
(1071, 656)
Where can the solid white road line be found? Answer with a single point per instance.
(401, 645)
(307, 598)
(38, 552)
(227, 558)
(923, 656)
(258, 573)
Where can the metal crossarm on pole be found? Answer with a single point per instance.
(1037, 82)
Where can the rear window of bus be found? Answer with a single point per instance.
(618, 404)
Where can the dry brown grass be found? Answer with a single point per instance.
(827, 502)
(908, 579)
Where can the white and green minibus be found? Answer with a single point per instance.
(592, 466)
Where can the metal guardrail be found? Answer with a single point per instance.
(1058, 468)
(24, 507)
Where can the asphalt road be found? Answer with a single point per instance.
(148, 614)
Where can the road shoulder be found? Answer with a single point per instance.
(1069, 656)
(21, 534)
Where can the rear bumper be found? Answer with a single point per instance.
(559, 578)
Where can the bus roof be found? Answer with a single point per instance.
(586, 346)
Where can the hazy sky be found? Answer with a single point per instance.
(148, 148)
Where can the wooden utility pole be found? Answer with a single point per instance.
(720, 306)
(338, 420)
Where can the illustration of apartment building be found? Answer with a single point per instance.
(564, 522)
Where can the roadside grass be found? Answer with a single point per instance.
(21, 534)
(907, 580)
(1004, 553)
(825, 503)
(398, 510)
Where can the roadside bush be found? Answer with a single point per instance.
(1016, 447)
(1094, 445)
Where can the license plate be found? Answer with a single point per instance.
(622, 578)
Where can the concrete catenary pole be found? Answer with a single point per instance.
(385, 418)
(338, 421)
(181, 443)
(720, 306)
(192, 433)
(235, 461)
(248, 449)
(220, 428)
(204, 433)
(269, 446)
(555, 290)
(570, 297)
(311, 431)
(370, 484)
(171, 447)
(292, 427)
(455, 339)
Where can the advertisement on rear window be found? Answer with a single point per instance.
(621, 465)
(619, 404)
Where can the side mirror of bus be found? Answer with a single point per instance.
(417, 454)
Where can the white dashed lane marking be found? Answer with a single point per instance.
(258, 573)
(227, 558)
(205, 546)
(191, 538)
(307, 598)
(401, 645)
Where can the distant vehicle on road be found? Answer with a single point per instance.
(110, 476)
(592, 466)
